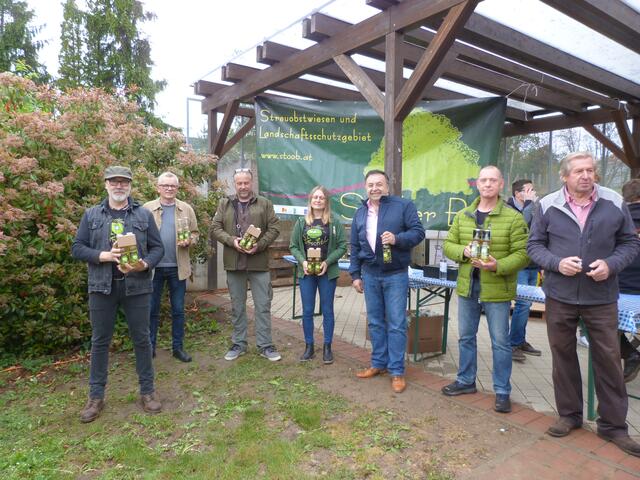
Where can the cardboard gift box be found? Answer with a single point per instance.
(129, 246)
(429, 333)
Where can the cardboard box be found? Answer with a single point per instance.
(127, 243)
(429, 333)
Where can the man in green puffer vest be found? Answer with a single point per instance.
(488, 283)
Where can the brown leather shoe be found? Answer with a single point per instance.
(150, 404)
(398, 384)
(371, 372)
(91, 410)
(563, 427)
(624, 443)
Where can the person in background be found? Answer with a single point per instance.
(318, 229)
(582, 236)
(113, 285)
(232, 219)
(489, 284)
(629, 280)
(524, 196)
(171, 215)
(382, 222)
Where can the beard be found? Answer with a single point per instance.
(119, 197)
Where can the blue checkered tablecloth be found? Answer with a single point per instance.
(628, 305)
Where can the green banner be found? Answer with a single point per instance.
(302, 143)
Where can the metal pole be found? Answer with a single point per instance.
(187, 120)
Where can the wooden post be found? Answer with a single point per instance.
(212, 262)
(635, 138)
(393, 127)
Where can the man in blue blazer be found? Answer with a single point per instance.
(391, 223)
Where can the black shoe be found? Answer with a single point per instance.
(182, 355)
(631, 367)
(327, 356)
(527, 348)
(503, 404)
(517, 355)
(456, 388)
(309, 352)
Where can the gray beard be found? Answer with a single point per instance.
(119, 197)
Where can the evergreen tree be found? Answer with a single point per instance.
(18, 47)
(102, 47)
(72, 33)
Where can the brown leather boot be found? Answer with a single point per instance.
(371, 372)
(150, 404)
(91, 410)
(398, 384)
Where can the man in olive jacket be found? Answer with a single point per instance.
(490, 284)
(233, 217)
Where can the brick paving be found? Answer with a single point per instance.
(581, 455)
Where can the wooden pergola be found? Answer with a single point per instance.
(442, 39)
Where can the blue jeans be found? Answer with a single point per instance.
(386, 299)
(102, 313)
(520, 317)
(469, 310)
(309, 284)
(177, 289)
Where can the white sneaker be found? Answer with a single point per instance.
(582, 341)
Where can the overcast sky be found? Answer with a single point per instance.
(190, 39)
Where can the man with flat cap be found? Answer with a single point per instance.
(113, 284)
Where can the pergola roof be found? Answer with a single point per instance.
(549, 88)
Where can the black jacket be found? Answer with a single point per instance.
(93, 238)
(629, 278)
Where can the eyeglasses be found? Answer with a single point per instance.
(121, 183)
(242, 170)
(167, 187)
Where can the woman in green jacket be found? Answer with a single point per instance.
(318, 230)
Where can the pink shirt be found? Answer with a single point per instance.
(581, 211)
(372, 225)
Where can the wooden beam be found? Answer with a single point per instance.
(495, 37)
(611, 18)
(221, 137)
(242, 131)
(272, 53)
(607, 142)
(635, 133)
(363, 83)
(322, 26)
(457, 70)
(431, 58)
(233, 72)
(628, 146)
(212, 129)
(392, 124)
(206, 88)
(558, 122)
(405, 15)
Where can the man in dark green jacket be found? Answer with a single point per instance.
(490, 283)
(233, 217)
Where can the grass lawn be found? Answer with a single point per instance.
(246, 419)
